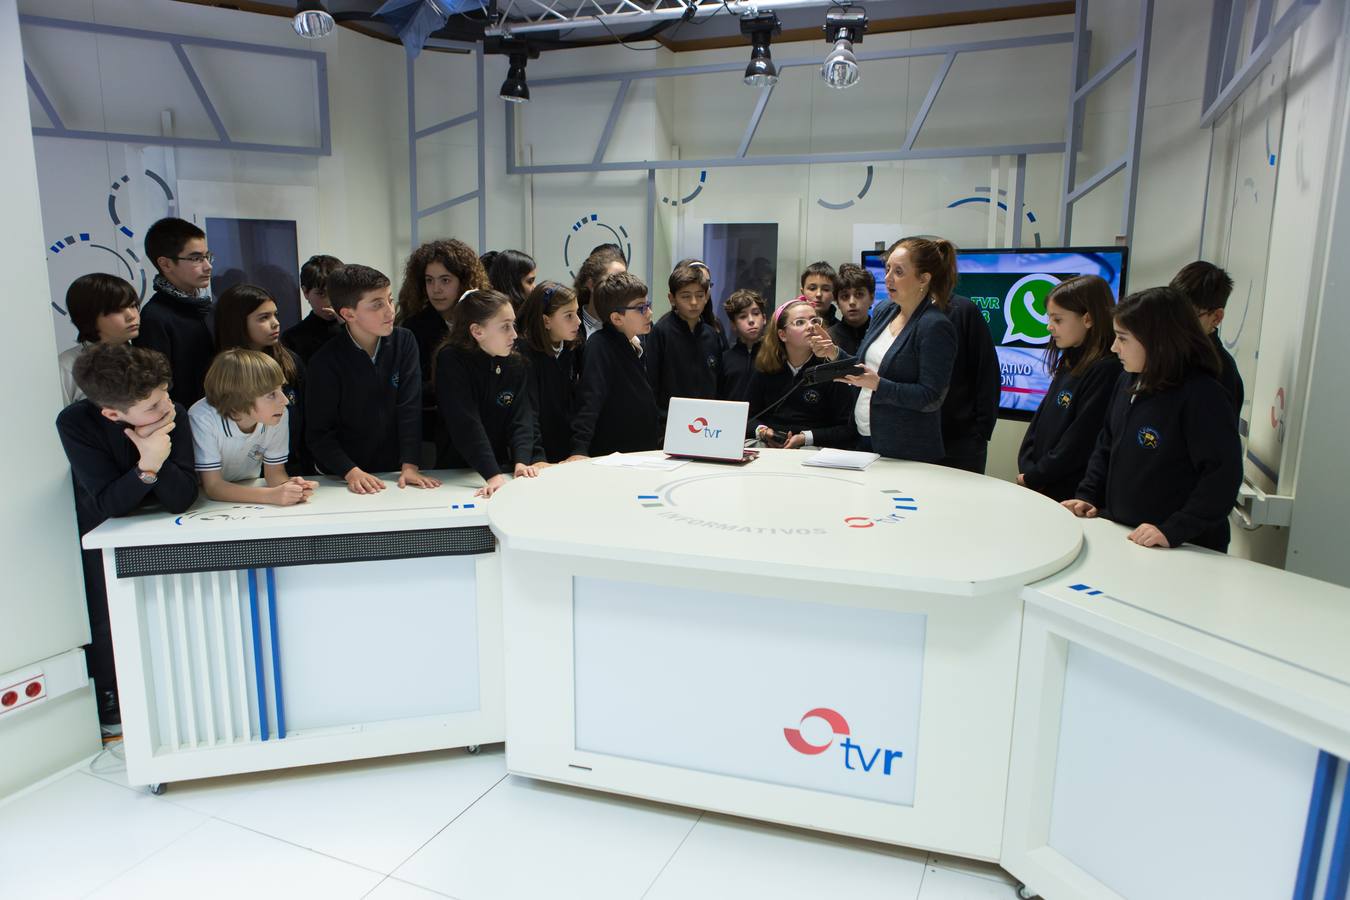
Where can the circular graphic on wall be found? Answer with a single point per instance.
(78, 254)
(689, 198)
(115, 191)
(867, 186)
(589, 232)
(983, 194)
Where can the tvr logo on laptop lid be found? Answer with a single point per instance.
(700, 427)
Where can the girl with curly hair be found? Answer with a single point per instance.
(436, 275)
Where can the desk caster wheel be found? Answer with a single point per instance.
(158, 789)
(1026, 893)
(472, 749)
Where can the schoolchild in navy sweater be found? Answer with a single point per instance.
(129, 445)
(747, 312)
(364, 394)
(176, 320)
(970, 409)
(857, 291)
(1063, 432)
(549, 326)
(783, 411)
(435, 276)
(616, 409)
(820, 284)
(313, 331)
(482, 393)
(1208, 287)
(684, 351)
(1168, 462)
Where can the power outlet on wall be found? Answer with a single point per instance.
(22, 692)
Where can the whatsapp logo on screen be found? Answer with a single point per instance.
(1024, 309)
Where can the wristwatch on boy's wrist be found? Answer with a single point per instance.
(147, 476)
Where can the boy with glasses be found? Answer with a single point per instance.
(616, 408)
(176, 320)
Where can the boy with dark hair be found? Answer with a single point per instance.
(1207, 287)
(857, 289)
(176, 320)
(103, 309)
(747, 312)
(819, 285)
(313, 331)
(121, 457)
(364, 390)
(683, 354)
(616, 409)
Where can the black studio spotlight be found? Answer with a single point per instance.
(843, 28)
(311, 19)
(761, 72)
(514, 89)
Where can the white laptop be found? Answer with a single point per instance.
(707, 429)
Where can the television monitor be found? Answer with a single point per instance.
(1010, 288)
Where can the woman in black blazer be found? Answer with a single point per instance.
(907, 354)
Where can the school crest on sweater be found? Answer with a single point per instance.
(1149, 438)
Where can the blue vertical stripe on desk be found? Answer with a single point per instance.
(257, 652)
(276, 652)
(1319, 805)
(1338, 875)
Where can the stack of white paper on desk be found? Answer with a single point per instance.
(842, 459)
(626, 461)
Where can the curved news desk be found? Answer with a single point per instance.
(842, 650)
(908, 654)
(829, 649)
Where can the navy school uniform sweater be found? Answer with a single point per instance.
(485, 403)
(552, 385)
(738, 364)
(362, 412)
(1172, 459)
(180, 328)
(683, 362)
(826, 410)
(300, 461)
(970, 410)
(1063, 432)
(1229, 376)
(103, 461)
(430, 329)
(616, 409)
(309, 334)
(848, 338)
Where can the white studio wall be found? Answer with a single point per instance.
(345, 203)
(42, 606)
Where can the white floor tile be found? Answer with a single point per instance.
(735, 858)
(393, 889)
(374, 813)
(80, 832)
(223, 860)
(970, 867)
(949, 884)
(529, 839)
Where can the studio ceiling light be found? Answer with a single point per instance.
(311, 19)
(761, 72)
(843, 28)
(514, 89)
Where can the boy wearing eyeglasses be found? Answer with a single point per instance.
(616, 407)
(176, 319)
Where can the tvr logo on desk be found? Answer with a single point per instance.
(700, 426)
(839, 728)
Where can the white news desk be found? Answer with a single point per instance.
(909, 654)
(259, 637)
(924, 657)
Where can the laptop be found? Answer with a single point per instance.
(712, 430)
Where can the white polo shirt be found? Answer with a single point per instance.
(219, 446)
